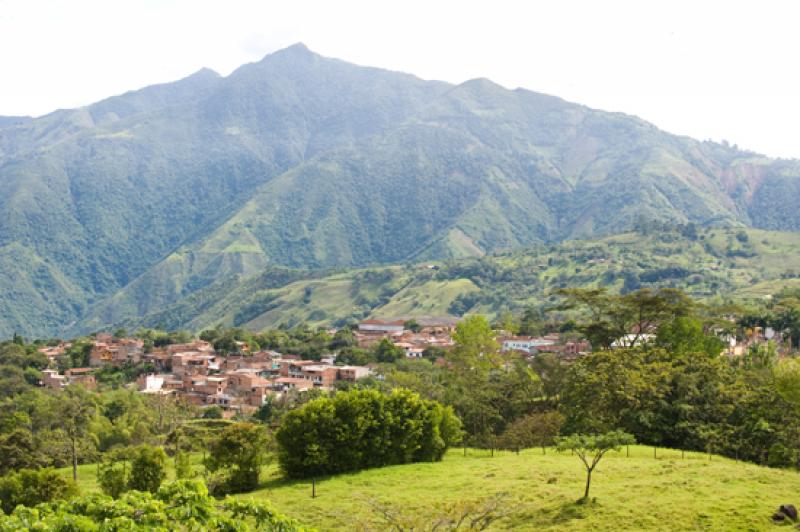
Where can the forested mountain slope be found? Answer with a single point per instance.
(713, 265)
(121, 208)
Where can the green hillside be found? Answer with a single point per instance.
(711, 264)
(636, 492)
(135, 203)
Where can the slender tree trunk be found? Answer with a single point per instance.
(74, 461)
(588, 482)
(313, 488)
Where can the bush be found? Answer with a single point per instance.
(143, 468)
(237, 456)
(30, 487)
(148, 469)
(364, 428)
(181, 505)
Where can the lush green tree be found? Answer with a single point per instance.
(18, 449)
(386, 351)
(591, 448)
(77, 408)
(552, 371)
(238, 452)
(113, 474)
(539, 429)
(183, 465)
(212, 412)
(30, 487)
(786, 376)
(364, 428)
(412, 326)
(684, 334)
(475, 347)
(148, 468)
(627, 317)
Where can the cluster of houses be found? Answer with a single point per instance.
(427, 332)
(241, 382)
(549, 343)
(198, 374)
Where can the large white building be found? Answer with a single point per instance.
(381, 326)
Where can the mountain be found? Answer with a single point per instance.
(127, 206)
(711, 264)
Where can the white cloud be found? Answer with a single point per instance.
(705, 69)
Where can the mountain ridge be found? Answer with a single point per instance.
(303, 161)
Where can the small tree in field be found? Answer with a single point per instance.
(591, 448)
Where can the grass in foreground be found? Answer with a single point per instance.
(631, 493)
(540, 492)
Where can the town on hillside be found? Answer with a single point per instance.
(241, 382)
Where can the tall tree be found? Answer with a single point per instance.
(77, 408)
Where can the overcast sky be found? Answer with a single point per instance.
(718, 70)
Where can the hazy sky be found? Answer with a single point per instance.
(719, 70)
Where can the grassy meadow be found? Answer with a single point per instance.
(672, 491)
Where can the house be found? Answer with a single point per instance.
(294, 368)
(151, 383)
(353, 373)
(192, 347)
(633, 340)
(194, 363)
(52, 379)
(81, 376)
(55, 351)
(524, 343)
(116, 351)
(321, 376)
(282, 384)
(437, 326)
(375, 326)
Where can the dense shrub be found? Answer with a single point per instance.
(181, 505)
(236, 456)
(30, 487)
(364, 428)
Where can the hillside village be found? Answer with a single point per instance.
(241, 382)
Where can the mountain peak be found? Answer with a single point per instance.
(204, 73)
(298, 49)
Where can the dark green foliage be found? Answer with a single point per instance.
(386, 351)
(30, 487)
(362, 429)
(539, 429)
(183, 505)
(683, 335)
(148, 468)
(238, 453)
(212, 412)
(112, 476)
(689, 401)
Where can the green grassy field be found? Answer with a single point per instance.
(636, 492)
